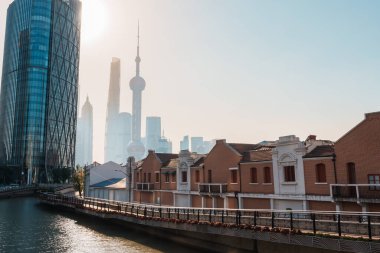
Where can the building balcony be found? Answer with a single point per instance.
(212, 188)
(365, 193)
(144, 186)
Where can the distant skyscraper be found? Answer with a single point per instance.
(137, 85)
(85, 135)
(39, 89)
(197, 145)
(113, 107)
(184, 144)
(153, 132)
(124, 137)
(164, 145)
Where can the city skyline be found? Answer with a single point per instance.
(278, 75)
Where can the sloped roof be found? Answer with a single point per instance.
(172, 164)
(166, 157)
(113, 183)
(241, 148)
(321, 151)
(199, 162)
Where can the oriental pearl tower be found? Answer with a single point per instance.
(137, 84)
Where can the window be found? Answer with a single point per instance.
(174, 178)
(289, 174)
(209, 176)
(253, 176)
(374, 179)
(233, 176)
(184, 176)
(197, 176)
(149, 177)
(267, 176)
(138, 177)
(320, 171)
(157, 177)
(351, 173)
(167, 178)
(144, 177)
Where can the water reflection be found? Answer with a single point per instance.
(26, 226)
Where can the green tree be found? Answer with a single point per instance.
(78, 180)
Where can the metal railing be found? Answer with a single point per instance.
(356, 192)
(145, 186)
(212, 188)
(366, 225)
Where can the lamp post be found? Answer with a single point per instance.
(128, 174)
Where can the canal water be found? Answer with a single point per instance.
(27, 226)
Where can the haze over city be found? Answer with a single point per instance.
(242, 70)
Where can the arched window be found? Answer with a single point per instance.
(320, 171)
(253, 176)
(267, 176)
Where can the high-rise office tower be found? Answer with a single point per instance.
(113, 107)
(124, 137)
(84, 143)
(184, 144)
(137, 84)
(39, 89)
(197, 145)
(153, 132)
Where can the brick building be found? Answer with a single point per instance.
(284, 174)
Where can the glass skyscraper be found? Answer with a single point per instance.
(39, 90)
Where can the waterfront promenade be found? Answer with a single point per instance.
(240, 229)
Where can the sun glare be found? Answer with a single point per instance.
(94, 19)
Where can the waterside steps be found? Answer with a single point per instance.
(223, 230)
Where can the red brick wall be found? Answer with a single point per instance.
(219, 160)
(351, 206)
(374, 207)
(231, 203)
(361, 146)
(196, 201)
(167, 199)
(194, 184)
(250, 203)
(322, 206)
(260, 187)
(311, 185)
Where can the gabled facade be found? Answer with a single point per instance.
(358, 164)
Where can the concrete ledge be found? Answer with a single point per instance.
(224, 239)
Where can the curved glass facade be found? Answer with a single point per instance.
(39, 90)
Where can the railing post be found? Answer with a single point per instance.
(198, 215)
(272, 219)
(220, 188)
(236, 217)
(160, 210)
(177, 214)
(255, 218)
(369, 227)
(209, 216)
(188, 215)
(357, 192)
(145, 212)
(314, 226)
(168, 213)
(291, 220)
(339, 226)
(222, 216)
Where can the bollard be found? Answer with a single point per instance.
(272, 219)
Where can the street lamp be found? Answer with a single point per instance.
(128, 175)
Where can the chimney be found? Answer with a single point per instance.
(221, 141)
(311, 138)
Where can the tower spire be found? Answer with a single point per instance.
(138, 59)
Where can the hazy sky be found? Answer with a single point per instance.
(243, 70)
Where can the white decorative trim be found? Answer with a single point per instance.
(233, 168)
(289, 183)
